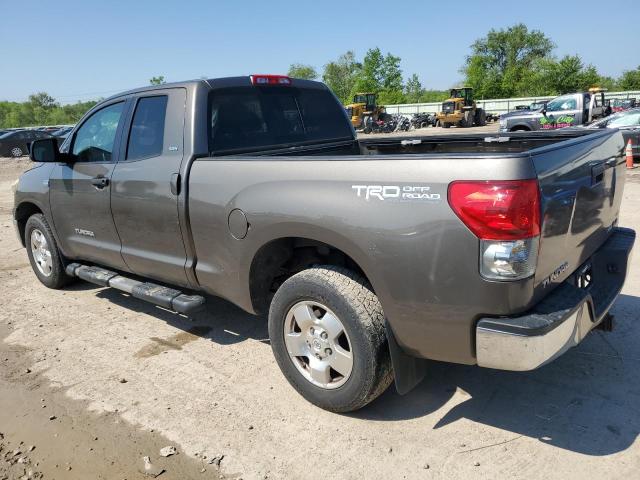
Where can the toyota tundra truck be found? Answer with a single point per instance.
(369, 258)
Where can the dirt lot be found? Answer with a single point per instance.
(138, 378)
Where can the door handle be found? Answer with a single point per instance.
(174, 184)
(100, 182)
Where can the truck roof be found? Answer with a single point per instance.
(214, 83)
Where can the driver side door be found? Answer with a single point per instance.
(80, 190)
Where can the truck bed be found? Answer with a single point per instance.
(415, 251)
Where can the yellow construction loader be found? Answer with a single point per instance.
(364, 109)
(461, 110)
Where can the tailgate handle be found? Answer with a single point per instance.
(597, 174)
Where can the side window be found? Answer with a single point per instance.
(147, 129)
(94, 139)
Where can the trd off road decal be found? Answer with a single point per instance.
(398, 193)
(551, 123)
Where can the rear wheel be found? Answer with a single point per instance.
(42, 250)
(16, 152)
(327, 333)
(446, 125)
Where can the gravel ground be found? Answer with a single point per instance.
(210, 386)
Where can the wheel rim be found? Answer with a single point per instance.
(41, 253)
(16, 152)
(318, 344)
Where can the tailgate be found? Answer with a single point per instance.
(581, 183)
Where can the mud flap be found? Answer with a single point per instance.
(409, 371)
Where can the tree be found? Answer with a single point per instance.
(298, 70)
(41, 109)
(42, 100)
(370, 77)
(630, 79)
(569, 74)
(159, 80)
(413, 89)
(501, 62)
(381, 74)
(340, 75)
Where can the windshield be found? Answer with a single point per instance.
(562, 103)
(274, 117)
(628, 120)
(624, 119)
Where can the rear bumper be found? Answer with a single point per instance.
(562, 319)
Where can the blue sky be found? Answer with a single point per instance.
(81, 49)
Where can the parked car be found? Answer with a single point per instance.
(619, 105)
(564, 111)
(628, 122)
(369, 256)
(15, 143)
(62, 132)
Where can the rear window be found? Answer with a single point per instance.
(272, 117)
(147, 129)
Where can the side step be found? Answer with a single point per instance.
(149, 292)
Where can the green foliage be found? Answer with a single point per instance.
(340, 76)
(380, 74)
(429, 96)
(630, 80)
(517, 62)
(159, 80)
(569, 74)
(500, 64)
(413, 89)
(298, 70)
(41, 109)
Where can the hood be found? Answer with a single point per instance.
(520, 113)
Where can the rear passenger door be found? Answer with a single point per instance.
(144, 196)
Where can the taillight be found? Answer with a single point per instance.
(270, 80)
(505, 216)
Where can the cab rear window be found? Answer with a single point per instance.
(250, 118)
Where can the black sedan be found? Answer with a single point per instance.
(16, 142)
(628, 121)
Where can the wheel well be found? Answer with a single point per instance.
(520, 128)
(22, 214)
(280, 259)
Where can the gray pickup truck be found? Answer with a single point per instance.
(369, 257)
(564, 111)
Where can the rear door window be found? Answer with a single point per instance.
(247, 118)
(147, 129)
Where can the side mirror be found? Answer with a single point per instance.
(46, 150)
(544, 110)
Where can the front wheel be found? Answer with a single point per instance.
(42, 250)
(16, 152)
(327, 333)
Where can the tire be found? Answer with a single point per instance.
(50, 273)
(467, 120)
(446, 125)
(16, 152)
(323, 294)
(481, 117)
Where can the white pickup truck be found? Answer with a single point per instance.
(564, 111)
